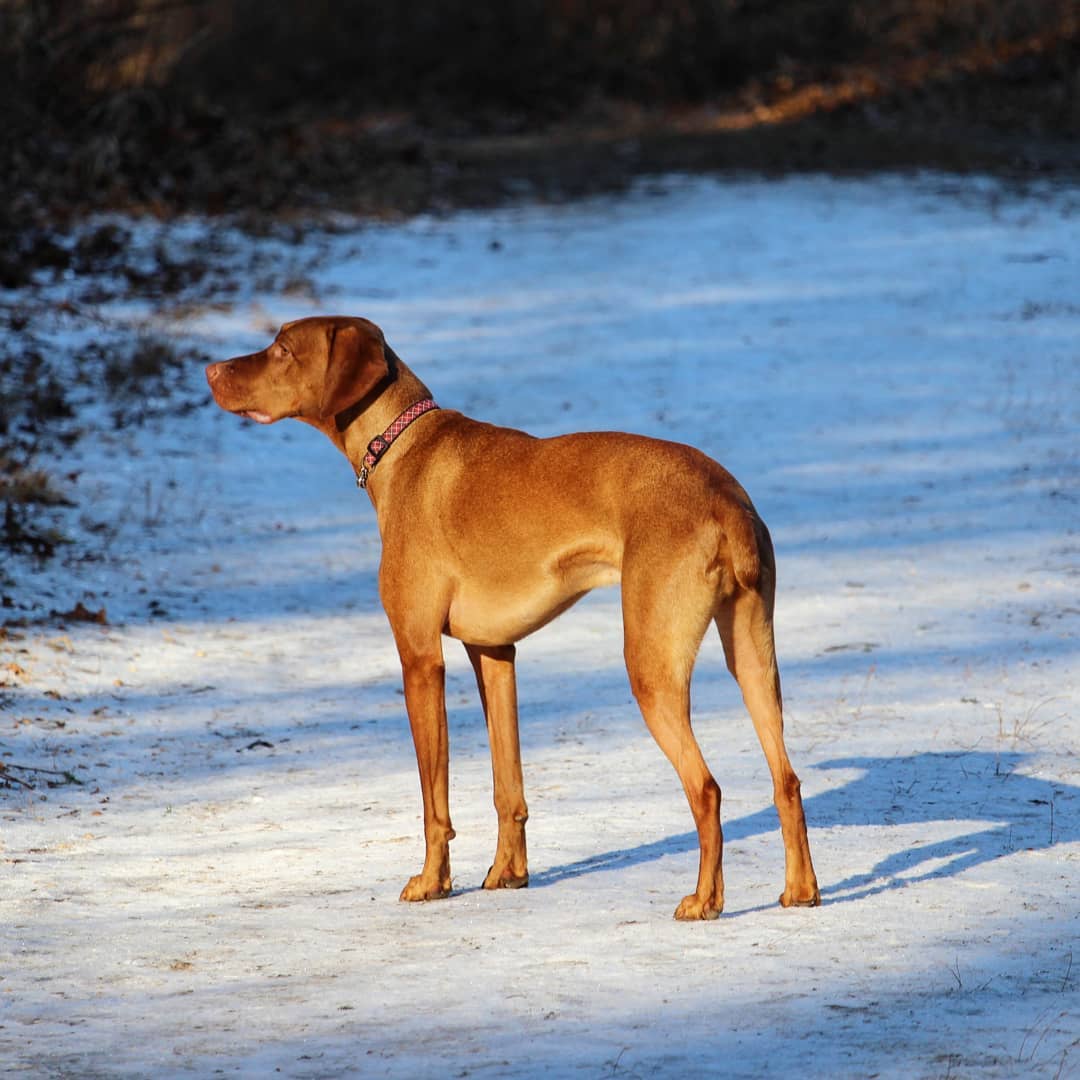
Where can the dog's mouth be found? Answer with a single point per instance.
(254, 414)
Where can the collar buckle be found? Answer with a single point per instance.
(381, 443)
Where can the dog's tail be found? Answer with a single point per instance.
(750, 546)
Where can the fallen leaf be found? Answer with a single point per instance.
(81, 613)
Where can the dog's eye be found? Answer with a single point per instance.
(284, 348)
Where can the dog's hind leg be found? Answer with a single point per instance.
(665, 618)
(745, 624)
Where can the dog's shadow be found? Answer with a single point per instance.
(1015, 812)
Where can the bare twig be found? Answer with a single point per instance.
(33, 768)
(6, 768)
(7, 778)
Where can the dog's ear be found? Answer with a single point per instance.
(356, 361)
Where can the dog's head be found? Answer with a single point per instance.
(314, 369)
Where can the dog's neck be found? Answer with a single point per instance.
(353, 429)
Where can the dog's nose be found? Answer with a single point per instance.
(214, 372)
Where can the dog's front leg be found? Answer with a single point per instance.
(425, 698)
(495, 679)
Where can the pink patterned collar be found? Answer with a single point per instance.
(381, 443)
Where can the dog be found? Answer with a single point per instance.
(489, 533)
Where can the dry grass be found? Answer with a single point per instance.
(29, 487)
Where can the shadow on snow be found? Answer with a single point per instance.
(1014, 811)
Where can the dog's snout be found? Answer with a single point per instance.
(214, 372)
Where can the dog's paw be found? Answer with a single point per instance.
(420, 888)
(805, 897)
(506, 879)
(694, 909)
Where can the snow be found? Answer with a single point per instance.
(892, 368)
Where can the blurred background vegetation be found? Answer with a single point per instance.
(230, 104)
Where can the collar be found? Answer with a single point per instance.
(381, 443)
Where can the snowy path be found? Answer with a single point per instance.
(892, 368)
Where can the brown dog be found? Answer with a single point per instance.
(489, 533)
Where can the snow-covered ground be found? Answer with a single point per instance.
(891, 367)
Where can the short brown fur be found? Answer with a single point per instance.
(489, 533)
